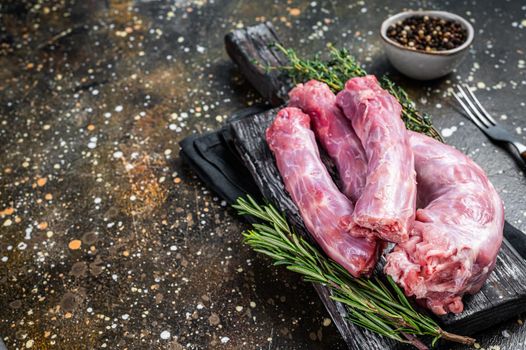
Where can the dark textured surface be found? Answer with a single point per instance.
(95, 95)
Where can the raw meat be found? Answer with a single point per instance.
(387, 203)
(326, 211)
(457, 233)
(335, 134)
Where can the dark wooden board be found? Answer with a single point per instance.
(503, 296)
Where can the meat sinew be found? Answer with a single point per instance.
(457, 233)
(334, 133)
(387, 203)
(326, 211)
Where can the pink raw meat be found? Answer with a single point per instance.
(326, 211)
(387, 204)
(457, 234)
(335, 134)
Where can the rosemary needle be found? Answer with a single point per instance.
(372, 304)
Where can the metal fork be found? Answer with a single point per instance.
(484, 121)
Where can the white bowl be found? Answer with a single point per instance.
(425, 65)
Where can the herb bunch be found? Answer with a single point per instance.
(340, 67)
(372, 304)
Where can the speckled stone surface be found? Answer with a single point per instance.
(108, 241)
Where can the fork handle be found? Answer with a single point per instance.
(521, 148)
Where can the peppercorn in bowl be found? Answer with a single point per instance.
(426, 45)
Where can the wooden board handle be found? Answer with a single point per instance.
(252, 49)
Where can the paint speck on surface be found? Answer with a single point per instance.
(225, 340)
(481, 85)
(7, 211)
(165, 335)
(29, 230)
(294, 11)
(118, 108)
(214, 319)
(42, 225)
(117, 154)
(75, 244)
(447, 132)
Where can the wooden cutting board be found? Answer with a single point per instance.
(504, 294)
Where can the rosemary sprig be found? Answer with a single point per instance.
(372, 304)
(341, 67)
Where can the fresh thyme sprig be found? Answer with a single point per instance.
(372, 304)
(341, 67)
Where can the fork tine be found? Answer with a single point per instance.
(468, 112)
(474, 110)
(486, 114)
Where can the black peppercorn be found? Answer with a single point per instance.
(428, 33)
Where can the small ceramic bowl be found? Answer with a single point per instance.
(419, 64)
